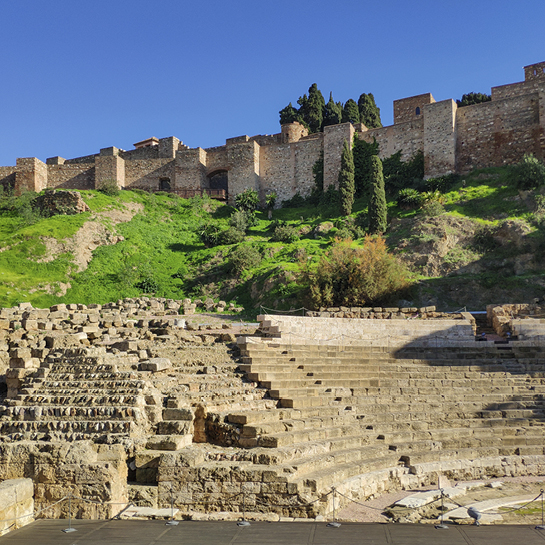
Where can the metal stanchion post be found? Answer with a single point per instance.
(69, 529)
(243, 522)
(542, 525)
(442, 525)
(171, 522)
(334, 523)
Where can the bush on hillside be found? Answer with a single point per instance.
(349, 276)
(529, 173)
(243, 219)
(247, 201)
(231, 236)
(409, 199)
(285, 233)
(109, 187)
(244, 257)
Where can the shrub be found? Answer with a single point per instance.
(210, 235)
(529, 173)
(432, 208)
(409, 199)
(441, 183)
(231, 236)
(109, 187)
(285, 233)
(244, 257)
(367, 276)
(248, 200)
(296, 201)
(242, 220)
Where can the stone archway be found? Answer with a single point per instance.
(218, 180)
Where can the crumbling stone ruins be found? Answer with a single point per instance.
(143, 401)
(452, 139)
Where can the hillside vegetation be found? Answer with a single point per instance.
(466, 242)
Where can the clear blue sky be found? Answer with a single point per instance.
(77, 76)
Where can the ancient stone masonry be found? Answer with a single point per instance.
(452, 139)
(140, 401)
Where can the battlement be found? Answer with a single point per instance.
(452, 139)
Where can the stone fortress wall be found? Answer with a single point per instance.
(452, 139)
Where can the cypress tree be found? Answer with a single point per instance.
(333, 112)
(369, 111)
(315, 107)
(346, 180)
(288, 115)
(351, 112)
(362, 152)
(377, 204)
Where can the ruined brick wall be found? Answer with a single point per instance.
(71, 176)
(498, 132)
(405, 137)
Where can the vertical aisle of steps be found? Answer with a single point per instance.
(346, 411)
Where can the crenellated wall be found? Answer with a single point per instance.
(452, 139)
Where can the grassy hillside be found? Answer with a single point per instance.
(485, 244)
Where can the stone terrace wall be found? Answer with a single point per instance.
(498, 132)
(59, 469)
(16, 502)
(522, 320)
(380, 332)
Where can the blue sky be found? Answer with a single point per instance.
(79, 76)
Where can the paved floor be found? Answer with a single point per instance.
(125, 532)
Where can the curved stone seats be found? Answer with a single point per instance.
(409, 408)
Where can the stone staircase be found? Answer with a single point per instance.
(82, 393)
(347, 410)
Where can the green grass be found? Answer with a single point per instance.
(161, 247)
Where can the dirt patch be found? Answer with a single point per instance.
(93, 233)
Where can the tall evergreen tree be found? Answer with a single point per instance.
(346, 180)
(362, 152)
(333, 112)
(288, 115)
(369, 111)
(315, 107)
(377, 204)
(351, 112)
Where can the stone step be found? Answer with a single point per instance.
(303, 435)
(86, 427)
(68, 412)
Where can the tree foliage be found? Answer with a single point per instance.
(362, 152)
(349, 276)
(346, 180)
(473, 98)
(247, 201)
(399, 174)
(315, 114)
(351, 112)
(333, 112)
(377, 204)
(369, 111)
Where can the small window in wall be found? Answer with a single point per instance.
(535, 72)
(164, 184)
(418, 110)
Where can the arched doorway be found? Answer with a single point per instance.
(219, 181)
